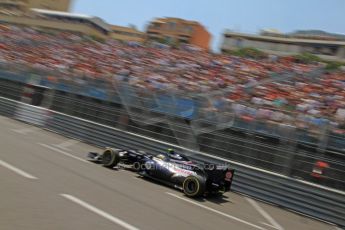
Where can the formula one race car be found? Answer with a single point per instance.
(170, 168)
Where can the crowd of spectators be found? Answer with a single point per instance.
(312, 104)
(298, 98)
(158, 68)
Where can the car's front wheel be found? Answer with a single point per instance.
(194, 186)
(110, 157)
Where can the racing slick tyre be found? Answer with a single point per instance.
(194, 186)
(110, 158)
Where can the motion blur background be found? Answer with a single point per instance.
(271, 99)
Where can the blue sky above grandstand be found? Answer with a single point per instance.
(248, 16)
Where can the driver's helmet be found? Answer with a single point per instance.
(171, 151)
(174, 156)
(161, 156)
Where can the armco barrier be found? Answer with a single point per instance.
(31, 114)
(7, 107)
(310, 199)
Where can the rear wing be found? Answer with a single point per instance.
(220, 175)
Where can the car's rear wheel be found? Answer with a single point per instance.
(194, 186)
(110, 158)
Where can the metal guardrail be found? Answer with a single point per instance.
(304, 197)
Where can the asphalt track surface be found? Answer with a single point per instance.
(46, 183)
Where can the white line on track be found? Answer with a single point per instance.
(64, 145)
(268, 225)
(267, 216)
(64, 153)
(100, 212)
(26, 130)
(17, 170)
(216, 211)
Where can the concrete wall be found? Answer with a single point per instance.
(60, 5)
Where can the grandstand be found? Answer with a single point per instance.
(20, 7)
(123, 33)
(280, 44)
(13, 7)
(264, 113)
(19, 13)
(56, 20)
(94, 22)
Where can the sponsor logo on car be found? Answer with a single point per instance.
(228, 176)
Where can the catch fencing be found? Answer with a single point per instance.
(274, 146)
